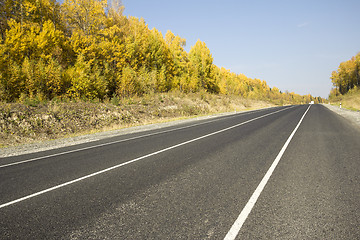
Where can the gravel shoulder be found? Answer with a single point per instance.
(70, 141)
(352, 116)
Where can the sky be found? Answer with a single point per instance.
(292, 45)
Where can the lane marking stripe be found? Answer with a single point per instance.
(134, 160)
(120, 141)
(236, 227)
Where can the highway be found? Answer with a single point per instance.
(289, 172)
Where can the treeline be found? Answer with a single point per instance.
(87, 49)
(346, 77)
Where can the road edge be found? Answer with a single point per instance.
(93, 137)
(351, 116)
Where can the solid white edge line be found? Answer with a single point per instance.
(236, 227)
(132, 161)
(110, 143)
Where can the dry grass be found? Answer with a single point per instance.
(25, 123)
(351, 100)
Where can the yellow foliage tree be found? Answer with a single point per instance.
(86, 81)
(201, 59)
(88, 49)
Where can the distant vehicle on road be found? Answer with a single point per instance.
(312, 102)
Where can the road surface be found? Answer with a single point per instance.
(282, 173)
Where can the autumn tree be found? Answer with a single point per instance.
(33, 41)
(347, 75)
(88, 49)
(180, 60)
(86, 16)
(201, 60)
(86, 80)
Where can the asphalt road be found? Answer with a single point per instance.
(193, 181)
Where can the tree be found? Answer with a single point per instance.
(176, 46)
(86, 16)
(88, 49)
(29, 12)
(86, 81)
(201, 59)
(9, 9)
(129, 84)
(347, 76)
(11, 81)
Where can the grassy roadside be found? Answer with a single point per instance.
(350, 100)
(38, 121)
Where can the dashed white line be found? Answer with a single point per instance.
(236, 227)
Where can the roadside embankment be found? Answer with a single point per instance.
(55, 124)
(350, 100)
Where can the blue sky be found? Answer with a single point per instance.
(293, 45)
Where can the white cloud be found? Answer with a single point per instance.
(301, 25)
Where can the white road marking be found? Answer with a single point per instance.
(134, 160)
(114, 142)
(236, 227)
